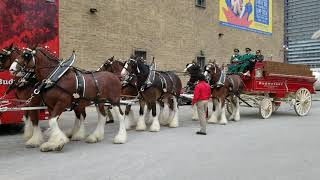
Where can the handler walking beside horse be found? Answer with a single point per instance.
(201, 97)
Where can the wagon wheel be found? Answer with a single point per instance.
(229, 107)
(265, 108)
(303, 102)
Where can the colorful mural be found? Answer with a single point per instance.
(29, 22)
(251, 15)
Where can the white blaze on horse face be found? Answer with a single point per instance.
(205, 73)
(14, 68)
(188, 66)
(124, 71)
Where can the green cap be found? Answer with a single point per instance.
(248, 49)
(236, 50)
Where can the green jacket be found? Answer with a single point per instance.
(235, 58)
(246, 57)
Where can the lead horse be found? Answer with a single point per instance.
(99, 87)
(231, 90)
(164, 87)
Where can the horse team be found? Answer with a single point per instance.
(36, 81)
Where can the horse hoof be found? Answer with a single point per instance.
(77, 138)
(59, 148)
(93, 139)
(195, 119)
(223, 123)
(120, 139)
(154, 129)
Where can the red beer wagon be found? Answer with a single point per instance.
(11, 109)
(272, 83)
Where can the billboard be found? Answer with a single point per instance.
(250, 15)
(29, 22)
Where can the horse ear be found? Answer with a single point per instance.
(112, 58)
(214, 61)
(210, 61)
(11, 46)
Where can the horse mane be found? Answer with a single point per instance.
(48, 54)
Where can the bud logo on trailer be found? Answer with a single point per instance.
(6, 82)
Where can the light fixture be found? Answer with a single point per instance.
(93, 10)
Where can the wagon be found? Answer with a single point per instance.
(272, 83)
(10, 110)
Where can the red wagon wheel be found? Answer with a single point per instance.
(303, 102)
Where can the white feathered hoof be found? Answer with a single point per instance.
(155, 126)
(213, 119)
(120, 139)
(34, 142)
(141, 126)
(174, 123)
(94, 138)
(78, 137)
(69, 133)
(223, 122)
(28, 130)
(49, 146)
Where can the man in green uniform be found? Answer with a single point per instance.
(235, 58)
(245, 60)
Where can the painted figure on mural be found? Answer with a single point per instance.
(240, 8)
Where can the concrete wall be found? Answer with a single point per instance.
(173, 32)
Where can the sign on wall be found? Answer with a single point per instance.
(250, 15)
(29, 22)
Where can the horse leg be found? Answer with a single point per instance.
(109, 115)
(141, 124)
(155, 126)
(121, 137)
(147, 115)
(233, 104)
(79, 132)
(37, 138)
(129, 117)
(237, 109)
(175, 121)
(98, 133)
(215, 111)
(57, 138)
(75, 127)
(195, 116)
(161, 115)
(28, 128)
(223, 120)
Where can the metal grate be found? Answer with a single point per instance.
(301, 21)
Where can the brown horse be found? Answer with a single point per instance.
(231, 89)
(166, 87)
(99, 87)
(128, 90)
(32, 132)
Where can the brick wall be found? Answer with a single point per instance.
(173, 32)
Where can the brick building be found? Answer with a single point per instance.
(174, 32)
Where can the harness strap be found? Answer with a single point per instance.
(173, 84)
(97, 87)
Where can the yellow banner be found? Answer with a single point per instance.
(251, 15)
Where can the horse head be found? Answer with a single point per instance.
(30, 59)
(8, 55)
(192, 69)
(135, 66)
(212, 71)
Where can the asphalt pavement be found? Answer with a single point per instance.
(284, 147)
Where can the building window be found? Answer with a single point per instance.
(201, 61)
(140, 53)
(201, 3)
